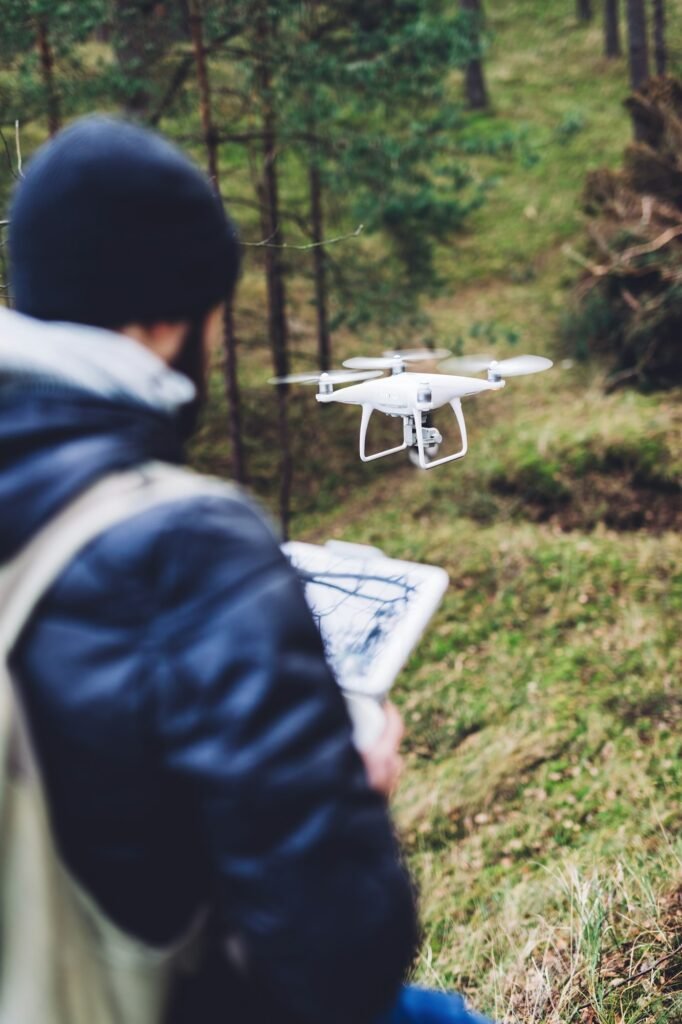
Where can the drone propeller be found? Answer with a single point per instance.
(418, 355)
(517, 366)
(331, 377)
(391, 359)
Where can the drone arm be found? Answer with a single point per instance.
(459, 416)
(367, 411)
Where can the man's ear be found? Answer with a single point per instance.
(164, 340)
(167, 339)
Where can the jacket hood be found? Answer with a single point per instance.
(76, 403)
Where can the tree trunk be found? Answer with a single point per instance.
(196, 25)
(274, 266)
(319, 266)
(233, 397)
(638, 48)
(612, 47)
(47, 74)
(660, 51)
(584, 10)
(475, 89)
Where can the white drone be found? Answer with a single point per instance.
(414, 395)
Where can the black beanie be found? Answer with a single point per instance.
(113, 225)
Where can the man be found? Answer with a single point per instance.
(196, 751)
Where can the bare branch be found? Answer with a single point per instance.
(658, 243)
(266, 243)
(17, 142)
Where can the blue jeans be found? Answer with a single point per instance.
(422, 1006)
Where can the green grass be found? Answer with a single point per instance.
(541, 804)
(542, 800)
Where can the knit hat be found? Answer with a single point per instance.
(113, 225)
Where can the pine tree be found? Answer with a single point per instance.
(584, 10)
(373, 132)
(322, 89)
(474, 78)
(660, 50)
(40, 38)
(139, 40)
(638, 47)
(612, 45)
(196, 24)
(47, 73)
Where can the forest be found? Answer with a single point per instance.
(497, 176)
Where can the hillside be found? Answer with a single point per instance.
(541, 805)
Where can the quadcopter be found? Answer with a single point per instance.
(413, 395)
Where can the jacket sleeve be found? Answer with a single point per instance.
(305, 871)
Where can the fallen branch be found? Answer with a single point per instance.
(638, 974)
(594, 268)
(658, 243)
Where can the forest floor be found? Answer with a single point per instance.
(541, 807)
(542, 801)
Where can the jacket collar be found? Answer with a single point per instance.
(101, 362)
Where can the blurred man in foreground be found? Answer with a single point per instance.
(195, 749)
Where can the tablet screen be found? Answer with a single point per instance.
(371, 610)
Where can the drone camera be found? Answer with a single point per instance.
(430, 435)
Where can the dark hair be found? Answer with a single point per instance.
(191, 361)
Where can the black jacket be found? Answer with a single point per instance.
(195, 747)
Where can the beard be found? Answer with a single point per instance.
(191, 361)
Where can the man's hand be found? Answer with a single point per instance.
(382, 760)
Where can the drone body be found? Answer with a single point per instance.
(413, 395)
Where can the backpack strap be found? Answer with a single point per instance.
(30, 574)
(117, 497)
(63, 960)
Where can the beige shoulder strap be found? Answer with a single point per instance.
(117, 497)
(62, 961)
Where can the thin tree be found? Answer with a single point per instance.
(271, 226)
(239, 471)
(660, 50)
(47, 73)
(584, 10)
(474, 78)
(638, 47)
(196, 24)
(319, 263)
(612, 44)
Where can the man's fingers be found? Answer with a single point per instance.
(395, 728)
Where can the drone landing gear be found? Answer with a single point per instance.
(367, 411)
(424, 438)
(417, 433)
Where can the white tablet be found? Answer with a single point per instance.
(371, 610)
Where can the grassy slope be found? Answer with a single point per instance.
(541, 804)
